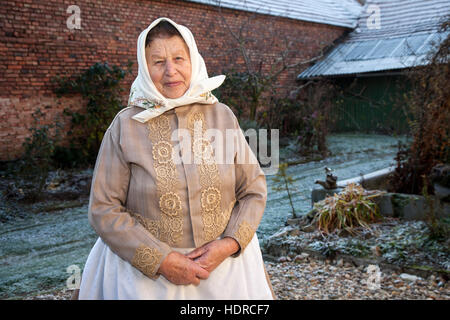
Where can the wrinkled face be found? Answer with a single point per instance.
(169, 65)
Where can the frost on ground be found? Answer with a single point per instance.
(392, 241)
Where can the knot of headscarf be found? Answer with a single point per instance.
(144, 94)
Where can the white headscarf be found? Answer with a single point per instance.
(144, 94)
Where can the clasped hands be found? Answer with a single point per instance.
(187, 269)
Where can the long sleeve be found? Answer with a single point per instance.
(109, 217)
(251, 195)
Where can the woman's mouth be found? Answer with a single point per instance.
(173, 84)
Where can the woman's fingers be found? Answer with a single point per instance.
(191, 273)
(196, 282)
(196, 253)
(201, 273)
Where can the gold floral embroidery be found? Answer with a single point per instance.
(159, 128)
(151, 225)
(169, 228)
(146, 260)
(210, 198)
(170, 204)
(203, 149)
(214, 220)
(165, 172)
(227, 212)
(193, 118)
(162, 152)
(244, 234)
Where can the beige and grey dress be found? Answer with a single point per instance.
(161, 186)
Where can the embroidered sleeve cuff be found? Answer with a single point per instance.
(243, 235)
(147, 260)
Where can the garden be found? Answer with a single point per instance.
(44, 230)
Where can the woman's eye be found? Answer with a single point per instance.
(158, 62)
(179, 58)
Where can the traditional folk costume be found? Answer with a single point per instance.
(159, 186)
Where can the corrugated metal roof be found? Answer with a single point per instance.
(342, 13)
(409, 30)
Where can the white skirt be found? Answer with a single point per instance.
(107, 276)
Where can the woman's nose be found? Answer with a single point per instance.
(170, 68)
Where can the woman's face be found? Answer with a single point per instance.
(169, 65)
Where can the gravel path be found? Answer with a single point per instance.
(307, 279)
(312, 279)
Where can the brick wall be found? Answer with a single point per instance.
(36, 45)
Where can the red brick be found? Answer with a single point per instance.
(34, 36)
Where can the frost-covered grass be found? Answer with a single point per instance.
(393, 241)
(352, 154)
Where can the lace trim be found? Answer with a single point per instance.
(165, 228)
(214, 219)
(244, 234)
(146, 260)
(169, 228)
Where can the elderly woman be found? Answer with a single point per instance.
(174, 220)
